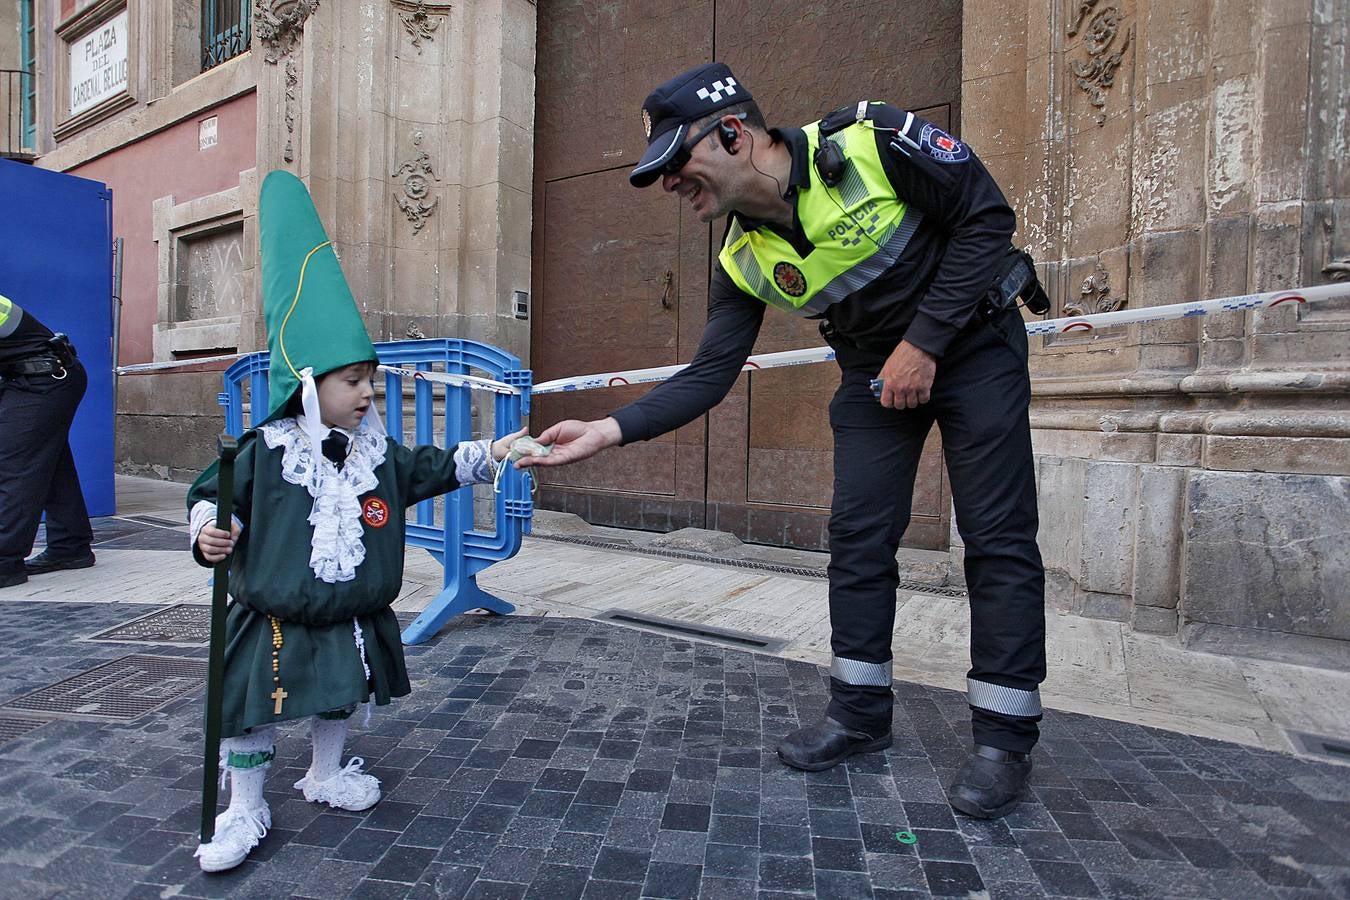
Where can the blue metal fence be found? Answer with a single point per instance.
(462, 550)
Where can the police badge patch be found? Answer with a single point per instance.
(941, 146)
(647, 123)
(789, 279)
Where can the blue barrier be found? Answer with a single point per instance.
(456, 545)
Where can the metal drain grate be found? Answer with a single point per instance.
(12, 728)
(156, 520)
(1321, 746)
(121, 690)
(694, 630)
(181, 626)
(802, 571)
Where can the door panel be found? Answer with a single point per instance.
(621, 275)
(786, 463)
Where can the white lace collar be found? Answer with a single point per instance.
(335, 548)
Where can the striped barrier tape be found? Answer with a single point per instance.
(1048, 326)
(1069, 324)
(472, 382)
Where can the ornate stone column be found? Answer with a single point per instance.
(1192, 474)
(411, 123)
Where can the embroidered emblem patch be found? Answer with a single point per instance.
(647, 123)
(941, 146)
(789, 279)
(375, 512)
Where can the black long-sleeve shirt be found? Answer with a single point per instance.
(21, 334)
(927, 297)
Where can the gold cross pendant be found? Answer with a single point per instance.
(278, 695)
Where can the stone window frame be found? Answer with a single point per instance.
(174, 226)
(74, 29)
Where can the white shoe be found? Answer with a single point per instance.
(350, 789)
(237, 832)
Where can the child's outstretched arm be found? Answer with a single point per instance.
(426, 471)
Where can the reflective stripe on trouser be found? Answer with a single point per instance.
(1005, 700)
(857, 672)
(979, 400)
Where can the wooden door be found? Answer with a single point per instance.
(620, 275)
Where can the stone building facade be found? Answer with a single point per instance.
(1193, 475)
(409, 121)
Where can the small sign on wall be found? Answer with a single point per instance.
(206, 133)
(98, 64)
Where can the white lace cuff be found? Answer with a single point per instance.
(203, 513)
(474, 463)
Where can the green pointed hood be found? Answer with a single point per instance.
(311, 316)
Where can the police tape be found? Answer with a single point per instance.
(806, 356)
(1066, 325)
(472, 382)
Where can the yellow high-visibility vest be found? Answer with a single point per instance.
(858, 230)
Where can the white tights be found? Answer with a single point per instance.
(328, 736)
(246, 784)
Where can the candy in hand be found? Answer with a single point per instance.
(525, 446)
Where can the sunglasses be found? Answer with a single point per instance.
(681, 156)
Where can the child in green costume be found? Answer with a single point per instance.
(310, 632)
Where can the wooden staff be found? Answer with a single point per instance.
(227, 447)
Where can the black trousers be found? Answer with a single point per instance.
(979, 401)
(37, 469)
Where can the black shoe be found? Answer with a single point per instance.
(13, 579)
(991, 783)
(827, 744)
(44, 562)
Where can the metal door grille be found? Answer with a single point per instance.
(225, 30)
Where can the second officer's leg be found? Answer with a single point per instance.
(876, 454)
(68, 530)
(28, 456)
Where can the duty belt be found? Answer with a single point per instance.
(45, 364)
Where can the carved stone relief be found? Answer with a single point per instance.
(211, 279)
(1094, 295)
(1096, 74)
(421, 25)
(417, 176)
(279, 24)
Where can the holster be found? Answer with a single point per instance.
(1016, 280)
(60, 346)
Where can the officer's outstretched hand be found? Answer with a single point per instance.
(216, 544)
(574, 441)
(907, 377)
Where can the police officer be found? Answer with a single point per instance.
(892, 233)
(41, 384)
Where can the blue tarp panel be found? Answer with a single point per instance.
(56, 259)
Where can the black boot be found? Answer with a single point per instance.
(826, 744)
(45, 562)
(991, 783)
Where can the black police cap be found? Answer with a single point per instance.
(668, 111)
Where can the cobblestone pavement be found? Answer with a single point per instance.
(555, 758)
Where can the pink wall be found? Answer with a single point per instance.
(163, 164)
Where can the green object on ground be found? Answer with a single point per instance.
(906, 837)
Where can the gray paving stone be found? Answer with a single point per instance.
(559, 758)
